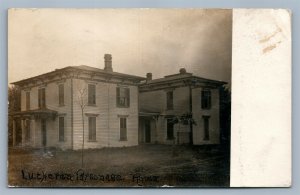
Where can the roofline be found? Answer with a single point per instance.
(184, 78)
(117, 74)
(34, 77)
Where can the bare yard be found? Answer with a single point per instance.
(143, 165)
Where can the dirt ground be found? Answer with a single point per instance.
(143, 165)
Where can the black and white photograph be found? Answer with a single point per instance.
(119, 97)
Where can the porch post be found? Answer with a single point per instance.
(23, 132)
(156, 129)
(14, 133)
(32, 132)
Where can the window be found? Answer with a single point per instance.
(27, 130)
(123, 129)
(61, 94)
(92, 128)
(61, 129)
(206, 127)
(123, 97)
(27, 100)
(206, 99)
(170, 100)
(170, 129)
(42, 98)
(91, 94)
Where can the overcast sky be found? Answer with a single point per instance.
(140, 40)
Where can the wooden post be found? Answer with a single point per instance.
(14, 132)
(191, 111)
(23, 132)
(32, 132)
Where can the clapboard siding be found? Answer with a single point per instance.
(107, 116)
(156, 101)
(153, 101)
(198, 112)
(51, 90)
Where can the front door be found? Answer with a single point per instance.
(44, 132)
(147, 131)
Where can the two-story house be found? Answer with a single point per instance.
(78, 105)
(82, 106)
(179, 109)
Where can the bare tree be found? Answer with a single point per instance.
(82, 101)
(14, 104)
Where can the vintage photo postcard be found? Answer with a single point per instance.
(123, 98)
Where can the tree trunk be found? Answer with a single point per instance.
(82, 138)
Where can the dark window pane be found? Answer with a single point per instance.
(170, 129)
(206, 99)
(91, 94)
(61, 94)
(61, 128)
(123, 97)
(41, 98)
(123, 129)
(206, 127)
(28, 100)
(92, 128)
(169, 100)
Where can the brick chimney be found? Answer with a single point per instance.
(108, 63)
(149, 76)
(182, 71)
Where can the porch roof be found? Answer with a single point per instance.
(144, 112)
(41, 112)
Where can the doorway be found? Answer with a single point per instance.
(147, 131)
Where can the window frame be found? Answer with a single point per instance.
(170, 136)
(206, 131)
(27, 97)
(170, 100)
(123, 128)
(41, 98)
(61, 138)
(126, 97)
(92, 129)
(61, 94)
(92, 97)
(206, 99)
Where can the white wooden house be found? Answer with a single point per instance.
(81, 105)
(51, 114)
(179, 109)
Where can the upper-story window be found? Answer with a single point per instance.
(61, 94)
(170, 100)
(206, 99)
(91, 94)
(123, 97)
(27, 100)
(42, 98)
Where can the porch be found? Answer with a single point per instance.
(30, 127)
(155, 128)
